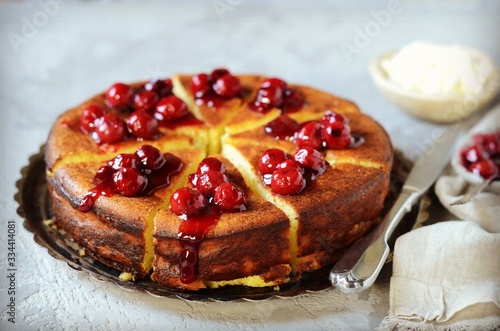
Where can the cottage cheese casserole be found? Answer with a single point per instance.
(215, 179)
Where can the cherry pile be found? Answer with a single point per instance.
(289, 174)
(332, 131)
(275, 93)
(130, 175)
(138, 112)
(482, 158)
(210, 187)
(220, 83)
(200, 208)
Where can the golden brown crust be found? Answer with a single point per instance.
(112, 246)
(72, 181)
(339, 207)
(318, 101)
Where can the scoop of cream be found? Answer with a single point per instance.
(428, 68)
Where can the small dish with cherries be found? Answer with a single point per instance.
(477, 154)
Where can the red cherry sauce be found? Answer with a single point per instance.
(156, 179)
(161, 177)
(281, 128)
(213, 89)
(192, 231)
(188, 120)
(106, 188)
(483, 156)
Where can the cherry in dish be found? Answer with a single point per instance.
(482, 157)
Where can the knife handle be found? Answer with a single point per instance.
(360, 266)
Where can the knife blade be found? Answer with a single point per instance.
(358, 269)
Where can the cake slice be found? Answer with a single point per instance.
(113, 228)
(214, 110)
(68, 142)
(275, 97)
(373, 145)
(248, 247)
(339, 206)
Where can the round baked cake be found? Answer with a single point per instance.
(215, 179)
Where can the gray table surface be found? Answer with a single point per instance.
(54, 54)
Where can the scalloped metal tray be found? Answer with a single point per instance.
(34, 207)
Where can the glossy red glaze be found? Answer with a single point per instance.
(125, 160)
(309, 135)
(210, 164)
(142, 125)
(287, 181)
(162, 87)
(337, 135)
(192, 231)
(227, 86)
(129, 182)
(119, 95)
(283, 127)
(207, 182)
(187, 202)
(170, 108)
(150, 157)
(200, 85)
(311, 159)
(108, 129)
(89, 116)
(269, 161)
(117, 176)
(229, 197)
(145, 101)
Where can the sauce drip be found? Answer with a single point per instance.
(156, 179)
(192, 231)
(88, 201)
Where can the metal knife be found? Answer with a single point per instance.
(360, 266)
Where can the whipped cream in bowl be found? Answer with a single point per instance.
(440, 83)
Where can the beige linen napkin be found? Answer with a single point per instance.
(446, 276)
(484, 209)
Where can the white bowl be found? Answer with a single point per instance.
(488, 124)
(436, 108)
